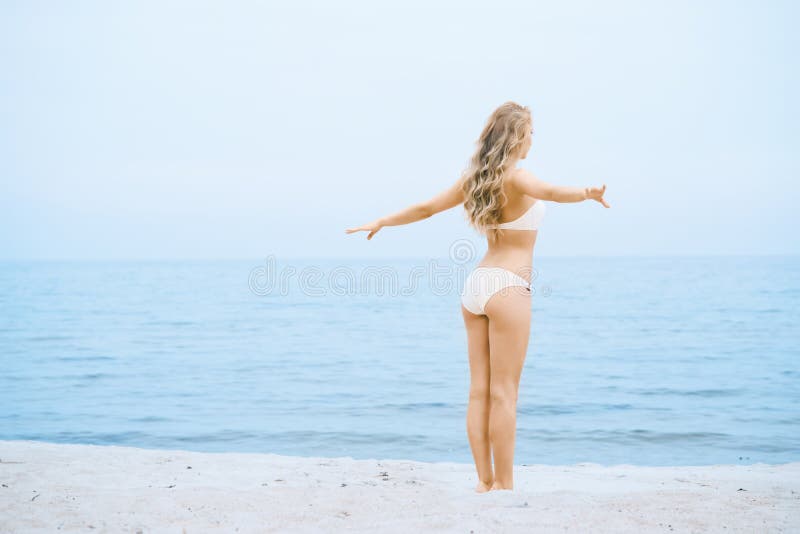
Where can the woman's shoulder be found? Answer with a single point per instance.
(519, 173)
(514, 181)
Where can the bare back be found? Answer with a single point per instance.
(513, 250)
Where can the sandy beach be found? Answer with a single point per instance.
(54, 487)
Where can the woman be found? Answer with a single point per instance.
(496, 299)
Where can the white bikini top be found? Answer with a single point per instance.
(530, 220)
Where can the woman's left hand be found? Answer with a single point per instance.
(372, 228)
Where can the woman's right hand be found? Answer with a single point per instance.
(596, 193)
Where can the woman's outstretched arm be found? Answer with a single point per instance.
(528, 183)
(449, 198)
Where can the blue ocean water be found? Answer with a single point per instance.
(650, 361)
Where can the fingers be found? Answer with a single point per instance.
(600, 191)
(371, 231)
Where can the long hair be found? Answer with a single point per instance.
(498, 143)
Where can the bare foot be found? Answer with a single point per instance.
(498, 486)
(483, 487)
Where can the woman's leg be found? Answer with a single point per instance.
(478, 407)
(509, 313)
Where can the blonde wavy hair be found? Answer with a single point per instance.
(498, 143)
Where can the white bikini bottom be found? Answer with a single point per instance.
(484, 282)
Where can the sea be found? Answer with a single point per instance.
(685, 360)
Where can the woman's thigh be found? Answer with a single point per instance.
(477, 327)
(509, 313)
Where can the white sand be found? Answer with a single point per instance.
(50, 487)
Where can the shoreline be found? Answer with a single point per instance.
(98, 488)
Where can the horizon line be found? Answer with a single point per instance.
(373, 258)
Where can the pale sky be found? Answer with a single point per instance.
(146, 130)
